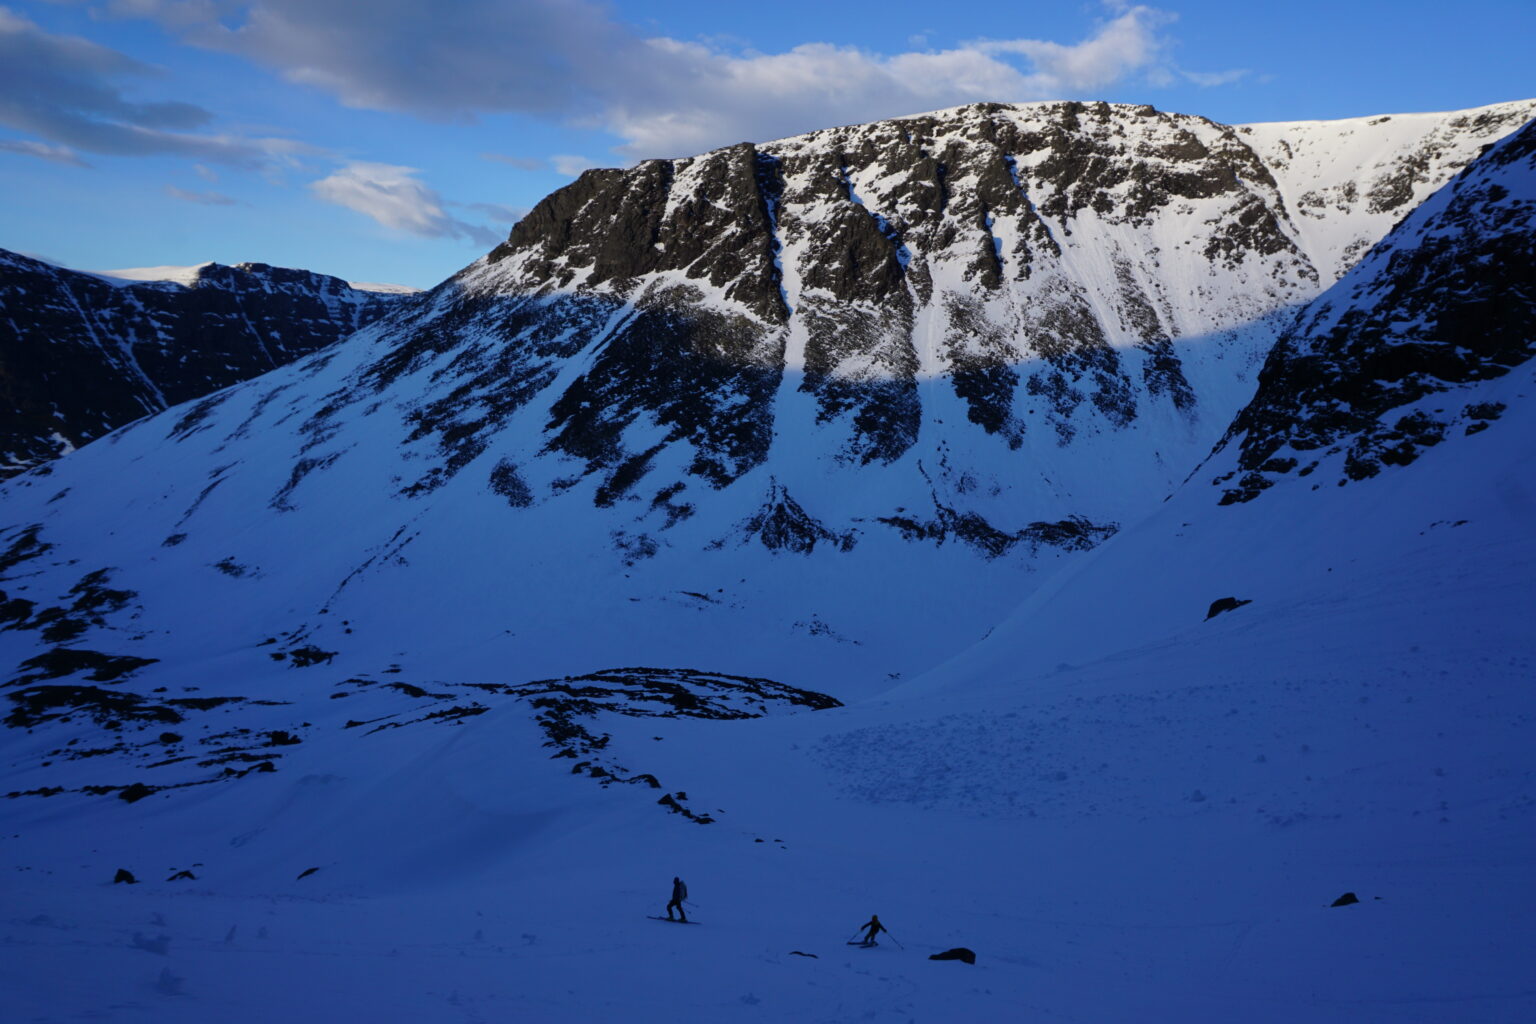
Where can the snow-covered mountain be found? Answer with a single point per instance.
(796, 379)
(389, 589)
(86, 353)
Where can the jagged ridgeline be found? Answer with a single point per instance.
(814, 410)
(83, 354)
(1039, 262)
(951, 288)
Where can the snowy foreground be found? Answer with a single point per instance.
(1129, 812)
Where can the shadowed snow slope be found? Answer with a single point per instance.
(1133, 798)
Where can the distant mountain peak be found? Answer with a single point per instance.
(86, 353)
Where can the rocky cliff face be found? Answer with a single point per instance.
(991, 279)
(1030, 259)
(83, 354)
(1393, 359)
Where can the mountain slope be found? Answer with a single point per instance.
(1446, 302)
(1130, 803)
(1371, 170)
(792, 378)
(87, 353)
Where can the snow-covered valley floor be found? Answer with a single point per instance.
(1152, 833)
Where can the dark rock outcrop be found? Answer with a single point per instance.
(1225, 604)
(1374, 372)
(81, 355)
(782, 525)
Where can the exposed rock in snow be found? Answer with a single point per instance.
(1389, 361)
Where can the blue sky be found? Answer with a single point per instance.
(396, 140)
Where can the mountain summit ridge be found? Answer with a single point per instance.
(89, 352)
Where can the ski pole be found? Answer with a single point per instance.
(893, 939)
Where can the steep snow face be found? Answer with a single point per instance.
(1388, 439)
(184, 276)
(1016, 286)
(1394, 358)
(87, 353)
(1346, 183)
(383, 289)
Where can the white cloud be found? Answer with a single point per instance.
(697, 97)
(395, 198)
(569, 165)
(1125, 45)
(701, 98)
(1208, 79)
(497, 213)
(570, 59)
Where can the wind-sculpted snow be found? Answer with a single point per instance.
(86, 354)
(1393, 359)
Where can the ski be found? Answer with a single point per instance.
(674, 920)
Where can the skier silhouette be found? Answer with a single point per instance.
(679, 894)
(874, 927)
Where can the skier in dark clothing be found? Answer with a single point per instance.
(679, 894)
(874, 927)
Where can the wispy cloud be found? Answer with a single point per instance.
(43, 151)
(72, 92)
(200, 198)
(440, 61)
(394, 197)
(570, 59)
(1211, 79)
(697, 97)
(1129, 43)
(570, 165)
(496, 212)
